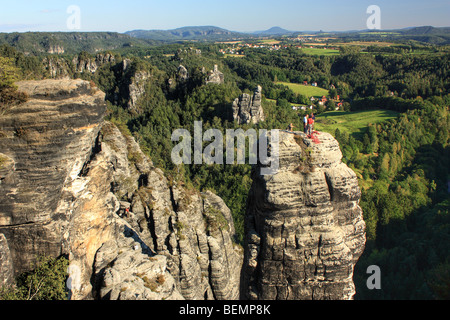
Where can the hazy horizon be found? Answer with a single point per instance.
(233, 15)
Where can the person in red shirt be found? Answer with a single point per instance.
(310, 125)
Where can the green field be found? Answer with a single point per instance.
(352, 122)
(308, 91)
(320, 52)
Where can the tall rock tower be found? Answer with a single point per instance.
(248, 109)
(304, 227)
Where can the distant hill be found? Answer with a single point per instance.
(275, 31)
(425, 34)
(428, 34)
(69, 42)
(187, 33)
(207, 33)
(426, 30)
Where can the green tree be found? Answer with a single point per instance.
(9, 73)
(46, 282)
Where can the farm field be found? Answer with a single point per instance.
(320, 52)
(308, 91)
(352, 122)
(269, 41)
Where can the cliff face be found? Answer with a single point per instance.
(304, 227)
(85, 64)
(66, 180)
(190, 234)
(47, 141)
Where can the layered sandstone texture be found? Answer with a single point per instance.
(47, 141)
(304, 227)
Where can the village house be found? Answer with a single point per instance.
(323, 100)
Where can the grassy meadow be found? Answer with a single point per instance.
(308, 90)
(320, 52)
(351, 122)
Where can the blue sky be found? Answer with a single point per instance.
(236, 15)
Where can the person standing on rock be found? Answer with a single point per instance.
(305, 123)
(310, 124)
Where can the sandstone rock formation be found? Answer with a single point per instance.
(137, 87)
(193, 231)
(182, 73)
(248, 109)
(57, 67)
(86, 64)
(52, 49)
(48, 139)
(215, 76)
(66, 180)
(304, 227)
(134, 82)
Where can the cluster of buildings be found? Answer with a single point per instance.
(238, 49)
(320, 101)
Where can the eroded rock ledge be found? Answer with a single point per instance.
(304, 227)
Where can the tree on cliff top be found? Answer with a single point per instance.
(9, 74)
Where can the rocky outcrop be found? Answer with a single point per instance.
(304, 227)
(193, 231)
(137, 87)
(215, 76)
(182, 74)
(62, 68)
(136, 81)
(83, 63)
(248, 109)
(56, 67)
(126, 269)
(67, 178)
(52, 49)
